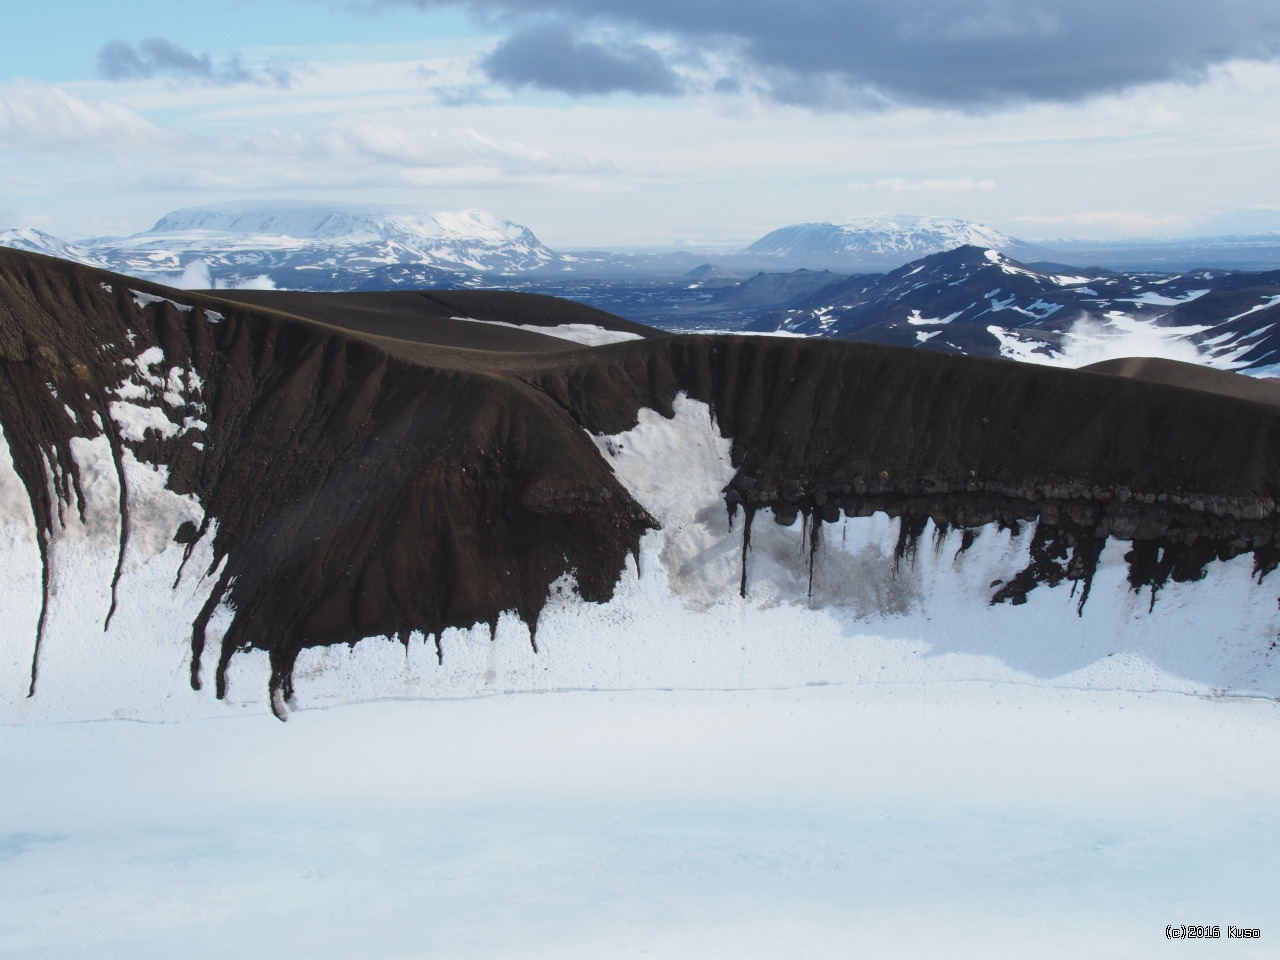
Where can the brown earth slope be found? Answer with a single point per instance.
(365, 483)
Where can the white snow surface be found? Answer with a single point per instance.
(136, 664)
(1117, 336)
(889, 767)
(144, 300)
(139, 406)
(915, 821)
(587, 334)
(916, 320)
(1158, 300)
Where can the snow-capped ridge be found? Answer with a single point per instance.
(997, 305)
(37, 241)
(322, 246)
(328, 222)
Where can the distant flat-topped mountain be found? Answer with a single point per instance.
(878, 243)
(311, 247)
(343, 223)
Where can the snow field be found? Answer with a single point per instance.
(889, 768)
(947, 819)
(587, 334)
(140, 666)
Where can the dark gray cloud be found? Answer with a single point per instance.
(549, 56)
(968, 54)
(156, 56)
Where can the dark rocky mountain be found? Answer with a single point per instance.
(710, 273)
(982, 303)
(736, 305)
(359, 467)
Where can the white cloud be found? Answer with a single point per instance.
(1124, 222)
(262, 282)
(405, 149)
(1093, 341)
(957, 54)
(419, 145)
(36, 116)
(367, 124)
(195, 276)
(902, 185)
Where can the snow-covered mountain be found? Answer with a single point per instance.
(322, 247)
(978, 301)
(37, 241)
(876, 243)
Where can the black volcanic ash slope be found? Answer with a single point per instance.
(429, 316)
(357, 492)
(364, 484)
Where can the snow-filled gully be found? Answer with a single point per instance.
(90, 568)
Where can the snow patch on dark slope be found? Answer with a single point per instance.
(272, 499)
(434, 316)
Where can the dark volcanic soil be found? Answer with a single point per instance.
(1192, 376)
(376, 468)
(428, 316)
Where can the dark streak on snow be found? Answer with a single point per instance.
(117, 457)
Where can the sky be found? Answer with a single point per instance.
(666, 122)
